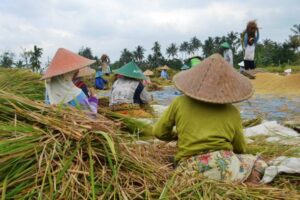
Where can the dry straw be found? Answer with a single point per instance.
(59, 153)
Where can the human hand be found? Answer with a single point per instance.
(92, 92)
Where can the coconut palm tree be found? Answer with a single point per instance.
(234, 40)
(208, 47)
(195, 44)
(294, 42)
(156, 49)
(172, 50)
(184, 48)
(7, 59)
(126, 56)
(157, 57)
(296, 29)
(139, 53)
(35, 56)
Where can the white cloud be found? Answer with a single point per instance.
(108, 26)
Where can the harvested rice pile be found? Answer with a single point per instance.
(59, 153)
(22, 82)
(270, 83)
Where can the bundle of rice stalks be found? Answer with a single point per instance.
(293, 124)
(54, 153)
(252, 122)
(251, 28)
(153, 87)
(22, 82)
(128, 124)
(177, 187)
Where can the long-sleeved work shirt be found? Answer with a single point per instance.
(201, 127)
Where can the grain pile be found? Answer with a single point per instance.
(270, 83)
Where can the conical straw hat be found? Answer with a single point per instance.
(214, 81)
(131, 70)
(225, 45)
(165, 67)
(195, 61)
(86, 71)
(148, 72)
(66, 61)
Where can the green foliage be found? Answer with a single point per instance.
(7, 59)
(174, 63)
(35, 56)
(138, 54)
(126, 57)
(86, 52)
(272, 53)
(172, 50)
(156, 59)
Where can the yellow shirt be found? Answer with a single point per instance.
(201, 127)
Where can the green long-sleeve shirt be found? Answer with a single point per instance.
(201, 127)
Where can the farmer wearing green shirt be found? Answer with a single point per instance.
(209, 134)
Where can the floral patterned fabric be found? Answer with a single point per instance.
(221, 165)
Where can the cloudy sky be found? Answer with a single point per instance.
(108, 26)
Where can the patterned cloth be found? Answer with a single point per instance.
(221, 165)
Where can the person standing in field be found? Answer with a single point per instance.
(105, 61)
(228, 56)
(250, 39)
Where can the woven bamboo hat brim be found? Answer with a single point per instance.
(66, 61)
(148, 72)
(214, 81)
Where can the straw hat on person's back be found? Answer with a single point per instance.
(86, 71)
(66, 61)
(148, 72)
(214, 81)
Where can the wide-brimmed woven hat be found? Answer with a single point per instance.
(214, 81)
(86, 71)
(148, 72)
(165, 67)
(131, 70)
(65, 61)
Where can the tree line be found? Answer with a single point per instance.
(268, 53)
(29, 59)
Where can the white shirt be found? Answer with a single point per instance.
(228, 56)
(249, 52)
(123, 90)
